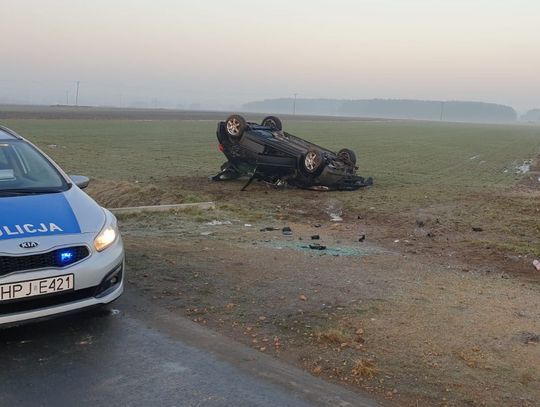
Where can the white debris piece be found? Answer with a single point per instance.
(218, 223)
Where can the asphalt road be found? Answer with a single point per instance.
(140, 355)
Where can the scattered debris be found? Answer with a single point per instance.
(536, 264)
(247, 225)
(528, 337)
(396, 241)
(362, 237)
(268, 229)
(474, 157)
(302, 297)
(218, 223)
(287, 231)
(477, 229)
(317, 246)
(523, 168)
(315, 237)
(319, 188)
(345, 251)
(318, 225)
(207, 233)
(334, 209)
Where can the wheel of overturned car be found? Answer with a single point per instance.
(313, 161)
(235, 126)
(347, 156)
(273, 122)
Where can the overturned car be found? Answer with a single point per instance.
(266, 152)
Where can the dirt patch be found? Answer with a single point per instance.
(117, 194)
(413, 322)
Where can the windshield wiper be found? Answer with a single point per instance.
(30, 191)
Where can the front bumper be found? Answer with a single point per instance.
(92, 287)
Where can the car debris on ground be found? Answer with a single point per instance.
(287, 231)
(266, 153)
(268, 229)
(218, 223)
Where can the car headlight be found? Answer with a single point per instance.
(106, 237)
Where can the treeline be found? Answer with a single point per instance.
(531, 116)
(390, 109)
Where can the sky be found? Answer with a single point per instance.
(220, 54)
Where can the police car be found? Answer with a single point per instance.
(59, 250)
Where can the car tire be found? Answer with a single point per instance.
(312, 162)
(273, 122)
(235, 126)
(347, 156)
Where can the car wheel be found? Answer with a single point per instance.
(347, 156)
(313, 161)
(235, 126)
(273, 122)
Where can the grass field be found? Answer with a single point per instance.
(458, 172)
(397, 154)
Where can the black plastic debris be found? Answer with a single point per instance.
(362, 238)
(287, 231)
(477, 229)
(317, 246)
(529, 337)
(268, 229)
(315, 237)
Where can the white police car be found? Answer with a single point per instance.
(59, 250)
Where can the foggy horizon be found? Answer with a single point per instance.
(221, 55)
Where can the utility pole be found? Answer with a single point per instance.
(67, 97)
(442, 111)
(294, 104)
(77, 95)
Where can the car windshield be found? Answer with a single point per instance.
(24, 170)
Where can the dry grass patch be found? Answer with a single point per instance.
(365, 369)
(333, 336)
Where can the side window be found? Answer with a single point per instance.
(3, 158)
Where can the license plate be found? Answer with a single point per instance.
(33, 288)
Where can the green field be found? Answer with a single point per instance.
(395, 153)
(462, 173)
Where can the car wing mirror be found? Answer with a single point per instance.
(80, 180)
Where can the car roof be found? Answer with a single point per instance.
(7, 134)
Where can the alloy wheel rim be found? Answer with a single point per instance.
(233, 126)
(311, 161)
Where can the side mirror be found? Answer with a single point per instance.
(80, 180)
